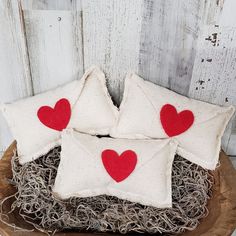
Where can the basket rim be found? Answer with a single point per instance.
(221, 219)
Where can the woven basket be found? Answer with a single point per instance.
(221, 220)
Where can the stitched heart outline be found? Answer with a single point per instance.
(175, 123)
(119, 167)
(56, 118)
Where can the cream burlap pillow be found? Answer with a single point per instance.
(36, 122)
(135, 170)
(151, 111)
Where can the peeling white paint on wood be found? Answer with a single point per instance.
(215, 67)
(168, 38)
(111, 31)
(14, 67)
(214, 72)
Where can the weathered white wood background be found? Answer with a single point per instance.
(188, 46)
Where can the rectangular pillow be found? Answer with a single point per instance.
(135, 170)
(151, 111)
(36, 122)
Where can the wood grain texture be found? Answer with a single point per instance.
(49, 5)
(222, 206)
(169, 36)
(228, 20)
(233, 160)
(111, 31)
(14, 65)
(213, 78)
(167, 45)
(54, 46)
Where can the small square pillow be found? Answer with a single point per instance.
(36, 121)
(135, 170)
(151, 111)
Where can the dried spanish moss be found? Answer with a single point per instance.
(191, 188)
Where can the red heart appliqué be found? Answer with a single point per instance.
(56, 118)
(119, 167)
(175, 123)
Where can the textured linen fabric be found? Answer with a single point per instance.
(139, 117)
(82, 173)
(94, 112)
(34, 138)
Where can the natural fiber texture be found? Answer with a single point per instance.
(191, 188)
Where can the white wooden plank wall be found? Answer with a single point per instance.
(15, 75)
(54, 40)
(165, 41)
(214, 72)
(168, 38)
(111, 32)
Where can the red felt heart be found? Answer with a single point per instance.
(175, 123)
(119, 167)
(56, 118)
